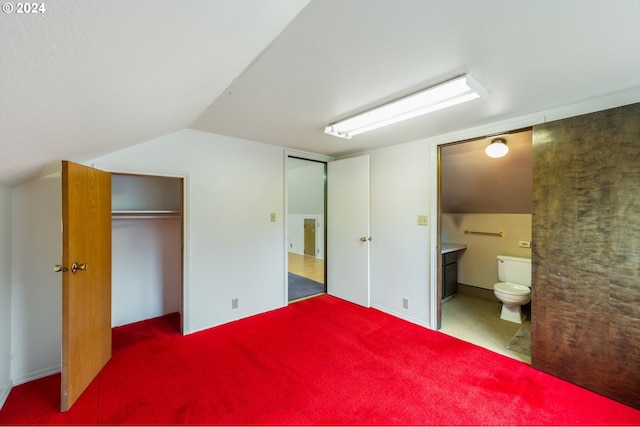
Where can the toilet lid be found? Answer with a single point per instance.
(512, 288)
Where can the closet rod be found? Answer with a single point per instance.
(145, 214)
(485, 233)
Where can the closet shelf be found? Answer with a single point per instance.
(144, 214)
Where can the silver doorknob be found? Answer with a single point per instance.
(58, 268)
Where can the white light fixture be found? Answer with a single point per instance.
(497, 148)
(447, 94)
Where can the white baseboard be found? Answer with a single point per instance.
(4, 392)
(36, 375)
(233, 319)
(402, 316)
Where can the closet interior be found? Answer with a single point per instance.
(147, 247)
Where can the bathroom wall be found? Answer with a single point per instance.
(586, 253)
(477, 265)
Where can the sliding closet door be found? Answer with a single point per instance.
(348, 237)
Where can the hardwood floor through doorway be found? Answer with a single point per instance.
(307, 266)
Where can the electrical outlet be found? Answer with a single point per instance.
(524, 244)
(423, 220)
(234, 303)
(405, 303)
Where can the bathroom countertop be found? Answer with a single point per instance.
(445, 248)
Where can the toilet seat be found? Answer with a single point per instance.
(512, 288)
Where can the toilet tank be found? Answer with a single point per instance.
(513, 269)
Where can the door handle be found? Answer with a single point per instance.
(75, 267)
(365, 238)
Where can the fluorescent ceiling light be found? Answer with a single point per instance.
(447, 94)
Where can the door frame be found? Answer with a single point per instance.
(184, 318)
(302, 155)
(436, 143)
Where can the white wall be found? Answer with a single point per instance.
(306, 188)
(235, 184)
(36, 297)
(232, 248)
(5, 293)
(400, 248)
(147, 275)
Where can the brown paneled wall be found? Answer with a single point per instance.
(586, 251)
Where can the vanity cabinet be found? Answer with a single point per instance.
(449, 274)
(450, 252)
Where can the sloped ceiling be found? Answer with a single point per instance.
(338, 58)
(90, 77)
(473, 182)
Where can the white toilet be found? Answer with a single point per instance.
(514, 288)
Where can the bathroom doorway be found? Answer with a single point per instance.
(306, 228)
(484, 211)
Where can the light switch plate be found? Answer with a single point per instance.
(423, 220)
(273, 217)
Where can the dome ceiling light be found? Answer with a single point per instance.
(497, 148)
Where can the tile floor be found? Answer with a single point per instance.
(478, 321)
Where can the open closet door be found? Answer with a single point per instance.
(86, 278)
(348, 236)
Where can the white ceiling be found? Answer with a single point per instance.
(90, 77)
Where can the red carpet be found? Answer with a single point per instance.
(319, 361)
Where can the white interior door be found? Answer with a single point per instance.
(348, 235)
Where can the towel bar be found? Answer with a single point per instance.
(485, 233)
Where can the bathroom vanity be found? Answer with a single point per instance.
(450, 253)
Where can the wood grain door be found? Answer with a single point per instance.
(86, 283)
(310, 237)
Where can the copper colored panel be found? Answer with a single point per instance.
(586, 251)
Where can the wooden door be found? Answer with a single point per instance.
(86, 285)
(348, 236)
(310, 236)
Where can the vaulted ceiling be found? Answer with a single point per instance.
(88, 77)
